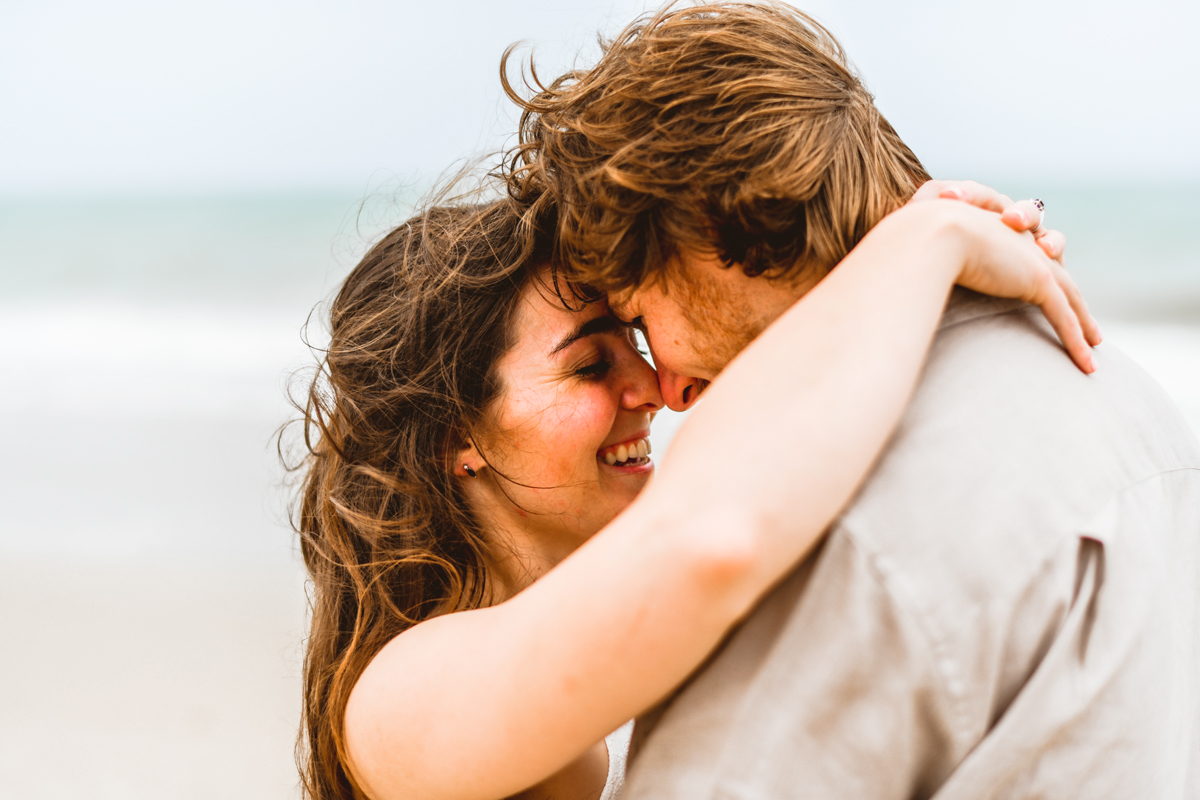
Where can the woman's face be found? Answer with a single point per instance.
(577, 397)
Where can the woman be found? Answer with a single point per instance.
(472, 634)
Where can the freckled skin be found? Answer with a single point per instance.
(545, 488)
(704, 315)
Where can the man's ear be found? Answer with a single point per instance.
(468, 461)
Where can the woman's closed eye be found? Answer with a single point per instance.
(595, 370)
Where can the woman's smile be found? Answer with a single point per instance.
(566, 443)
(631, 455)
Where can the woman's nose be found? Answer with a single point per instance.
(642, 391)
(679, 392)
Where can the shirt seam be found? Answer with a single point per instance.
(937, 651)
(888, 582)
(985, 314)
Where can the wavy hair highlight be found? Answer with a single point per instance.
(388, 541)
(736, 129)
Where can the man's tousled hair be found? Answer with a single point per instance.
(735, 129)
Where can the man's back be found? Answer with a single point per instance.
(1009, 608)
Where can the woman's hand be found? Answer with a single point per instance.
(1020, 215)
(1013, 271)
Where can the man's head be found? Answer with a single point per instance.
(714, 164)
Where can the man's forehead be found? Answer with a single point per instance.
(676, 276)
(626, 303)
(620, 301)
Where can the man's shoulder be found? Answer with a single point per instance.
(1008, 447)
(969, 594)
(1012, 473)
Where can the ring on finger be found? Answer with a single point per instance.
(1040, 229)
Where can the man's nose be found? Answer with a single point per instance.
(679, 392)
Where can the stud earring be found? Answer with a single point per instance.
(470, 471)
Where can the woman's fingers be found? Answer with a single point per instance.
(1053, 244)
(971, 192)
(1091, 329)
(929, 190)
(1001, 262)
(1066, 320)
(976, 194)
(1023, 215)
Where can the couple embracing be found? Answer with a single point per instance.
(903, 548)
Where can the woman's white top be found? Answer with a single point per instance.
(618, 750)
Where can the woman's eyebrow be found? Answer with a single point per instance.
(603, 324)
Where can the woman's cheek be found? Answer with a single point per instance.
(588, 424)
(562, 432)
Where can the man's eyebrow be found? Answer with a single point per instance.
(603, 324)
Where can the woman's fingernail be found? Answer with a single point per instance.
(952, 194)
(1021, 216)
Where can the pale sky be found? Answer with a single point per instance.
(138, 96)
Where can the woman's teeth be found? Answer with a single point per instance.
(633, 451)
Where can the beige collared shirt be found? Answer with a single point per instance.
(1010, 608)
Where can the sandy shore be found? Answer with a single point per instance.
(151, 606)
(142, 681)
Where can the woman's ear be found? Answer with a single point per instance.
(467, 462)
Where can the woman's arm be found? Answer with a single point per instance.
(482, 704)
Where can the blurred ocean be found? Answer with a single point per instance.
(136, 323)
(147, 574)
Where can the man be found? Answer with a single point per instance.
(1010, 607)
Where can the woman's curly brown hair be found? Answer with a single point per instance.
(388, 541)
(729, 128)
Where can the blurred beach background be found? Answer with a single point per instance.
(181, 184)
